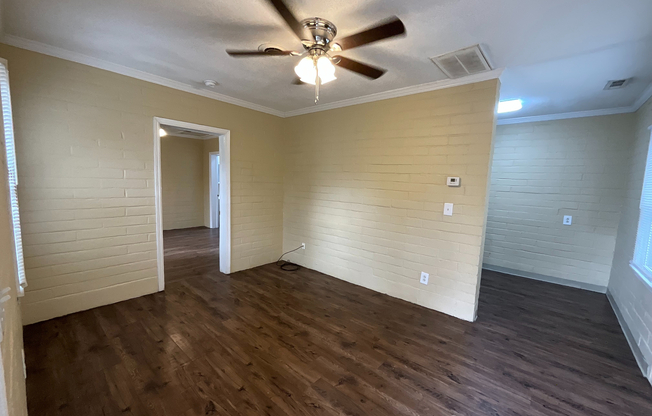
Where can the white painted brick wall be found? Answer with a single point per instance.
(545, 170)
(633, 297)
(85, 162)
(182, 182)
(365, 188)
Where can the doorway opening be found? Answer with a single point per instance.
(192, 209)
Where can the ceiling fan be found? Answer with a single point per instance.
(317, 35)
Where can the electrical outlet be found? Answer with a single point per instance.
(424, 278)
(303, 246)
(568, 219)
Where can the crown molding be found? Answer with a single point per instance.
(130, 72)
(57, 52)
(400, 92)
(646, 95)
(563, 116)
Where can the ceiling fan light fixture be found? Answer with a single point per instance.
(326, 69)
(317, 36)
(306, 70)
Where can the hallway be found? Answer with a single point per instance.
(191, 252)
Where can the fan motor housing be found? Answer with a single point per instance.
(322, 31)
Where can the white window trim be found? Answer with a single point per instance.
(12, 176)
(646, 278)
(643, 275)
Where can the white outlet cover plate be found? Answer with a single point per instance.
(424, 278)
(448, 209)
(568, 219)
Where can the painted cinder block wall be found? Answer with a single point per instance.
(545, 170)
(85, 156)
(631, 296)
(365, 188)
(85, 163)
(182, 182)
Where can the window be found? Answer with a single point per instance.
(642, 261)
(12, 174)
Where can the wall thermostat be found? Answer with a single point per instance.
(453, 181)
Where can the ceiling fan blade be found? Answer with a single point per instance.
(358, 67)
(383, 30)
(297, 81)
(246, 53)
(289, 18)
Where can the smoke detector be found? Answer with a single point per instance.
(617, 84)
(210, 83)
(463, 62)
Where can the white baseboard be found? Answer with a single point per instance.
(77, 302)
(544, 278)
(640, 358)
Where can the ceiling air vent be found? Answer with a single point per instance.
(189, 133)
(192, 134)
(461, 63)
(616, 84)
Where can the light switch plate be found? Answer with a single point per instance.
(448, 209)
(568, 219)
(424, 278)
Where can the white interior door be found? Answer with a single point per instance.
(215, 190)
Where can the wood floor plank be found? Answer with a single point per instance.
(271, 342)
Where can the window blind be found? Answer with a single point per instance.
(12, 173)
(642, 261)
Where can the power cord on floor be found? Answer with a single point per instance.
(286, 265)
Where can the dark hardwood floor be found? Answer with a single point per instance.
(269, 342)
(191, 252)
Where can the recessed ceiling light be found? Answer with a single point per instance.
(509, 106)
(210, 83)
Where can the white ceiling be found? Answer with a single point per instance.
(557, 54)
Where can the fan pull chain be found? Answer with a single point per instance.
(317, 82)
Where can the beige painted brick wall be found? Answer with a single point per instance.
(182, 182)
(365, 188)
(85, 157)
(545, 170)
(633, 297)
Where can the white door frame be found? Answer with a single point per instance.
(213, 189)
(225, 193)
